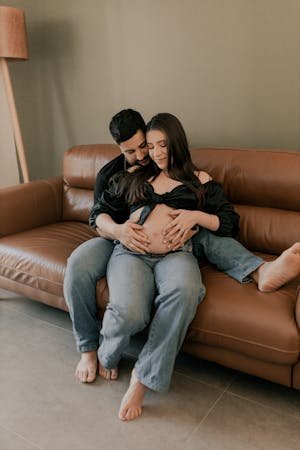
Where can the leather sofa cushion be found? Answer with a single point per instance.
(82, 163)
(77, 203)
(296, 376)
(37, 258)
(238, 317)
(29, 205)
(253, 177)
(261, 229)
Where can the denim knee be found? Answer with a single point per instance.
(127, 320)
(193, 292)
(92, 256)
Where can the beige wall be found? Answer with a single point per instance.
(9, 171)
(230, 69)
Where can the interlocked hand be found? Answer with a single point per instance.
(133, 237)
(180, 229)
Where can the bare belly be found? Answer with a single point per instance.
(154, 227)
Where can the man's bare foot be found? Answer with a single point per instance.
(272, 275)
(108, 374)
(87, 367)
(131, 405)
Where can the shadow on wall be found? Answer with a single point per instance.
(44, 86)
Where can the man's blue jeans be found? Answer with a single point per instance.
(88, 264)
(162, 291)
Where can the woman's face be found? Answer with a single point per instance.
(157, 146)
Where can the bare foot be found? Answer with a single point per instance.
(272, 275)
(108, 374)
(87, 367)
(131, 405)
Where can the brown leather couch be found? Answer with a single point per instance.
(42, 222)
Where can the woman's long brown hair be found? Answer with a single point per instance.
(180, 165)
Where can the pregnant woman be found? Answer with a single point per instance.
(158, 288)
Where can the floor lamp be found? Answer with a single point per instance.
(13, 47)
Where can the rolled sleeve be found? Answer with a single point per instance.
(111, 203)
(217, 203)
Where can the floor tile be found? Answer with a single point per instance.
(204, 371)
(270, 394)
(235, 424)
(40, 311)
(45, 405)
(11, 441)
(208, 406)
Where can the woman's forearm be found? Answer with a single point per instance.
(209, 221)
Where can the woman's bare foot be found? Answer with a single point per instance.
(108, 374)
(272, 275)
(87, 367)
(131, 405)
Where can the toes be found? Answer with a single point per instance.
(131, 413)
(82, 376)
(91, 377)
(102, 372)
(85, 376)
(108, 374)
(114, 374)
(122, 414)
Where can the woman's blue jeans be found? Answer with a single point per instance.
(88, 263)
(162, 291)
(227, 254)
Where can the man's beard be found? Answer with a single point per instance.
(139, 163)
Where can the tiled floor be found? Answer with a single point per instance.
(208, 406)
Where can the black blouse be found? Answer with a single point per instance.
(181, 197)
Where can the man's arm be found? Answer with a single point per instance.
(106, 216)
(128, 233)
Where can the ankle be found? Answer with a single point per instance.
(257, 274)
(89, 355)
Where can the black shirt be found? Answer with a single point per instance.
(117, 166)
(181, 197)
(107, 171)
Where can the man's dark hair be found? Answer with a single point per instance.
(125, 124)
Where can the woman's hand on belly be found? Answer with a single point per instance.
(180, 240)
(181, 227)
(155, 226)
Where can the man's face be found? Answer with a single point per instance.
(135, 149)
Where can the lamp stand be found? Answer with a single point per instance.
(15, 120)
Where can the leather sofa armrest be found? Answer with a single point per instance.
(298, 309)
(30, 205)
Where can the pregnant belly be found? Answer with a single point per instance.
(154, 227)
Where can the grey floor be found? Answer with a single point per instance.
(208, 406)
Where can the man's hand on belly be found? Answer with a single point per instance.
(133, 237)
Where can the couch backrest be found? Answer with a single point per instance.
(80, 167)
(263, 185)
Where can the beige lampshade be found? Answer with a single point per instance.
(13, 36)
